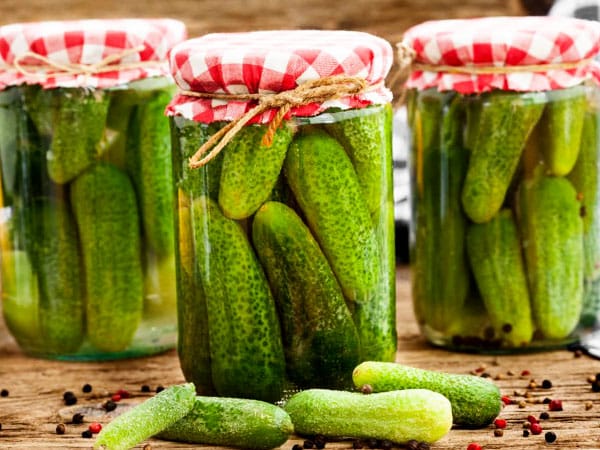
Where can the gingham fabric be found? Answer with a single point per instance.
(503, 41)
(274, 61)
(86, 42)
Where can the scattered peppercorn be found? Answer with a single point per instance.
(356, 444)
(578, 353)
(546, 400)
(525, 373)
(546, 384)
(498, 432)
(297, 447)
(145, 388)
(527, 425)
(481, 368)
(308, 444)
(522, 404)
(544, 416)
(159, 388)
(86, 434)
(598, 376)
(4, 393)
(532, 384)
(372, 443)
(95, 427)
(536, 428)
(423, 446)
(109, 405)
(500, 423)
(588, 405)
(387, 444)
(474, 446)
(0, 427)
(69, 398)
(550, 437)
(506, 400)
(485, 375)
(123, 393)
(77, 418)
(320, 441)
(366, 389)
(115, 398)
(595, 386)
(525, 433)
(60, 428)
(87, 388)
(510, 373)
(555, 405)
(412, 445)
(532, 419)
(147, 447)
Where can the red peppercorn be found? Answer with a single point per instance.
(123, 393)
(116, 397)
(95, 427)
(532, 419)
(500, 423)
(536, 428)
(525, 373)
(555, 405)
(506, 400)
(474, 446)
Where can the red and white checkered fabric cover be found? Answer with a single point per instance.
(274, 61)
(501, 42)
(87, 42)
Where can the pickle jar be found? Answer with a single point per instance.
(87, 232)
(505, 226)
(283, 179)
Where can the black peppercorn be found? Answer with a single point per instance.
(4, 393)
(412, 445)
(145, 388)
(423, 446)
(546, 384)
(544, 416)
(386, 445)
(109, 405)
(525, 433)
(596, 386)
(86, 434)
(77, 418)
(546, 401)
(60, 428)
(297, 447)
(308, 444)
(320, 441)
(87, 388)
(0, 427)
(69, 398)
(159, 388)
(550, 437)
(372, 443)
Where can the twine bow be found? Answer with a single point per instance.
(314, 91)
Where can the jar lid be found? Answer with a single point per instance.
(86, 53)
(508, 53)
(266, 62)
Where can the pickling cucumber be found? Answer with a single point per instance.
(398, 416)
(106, 212)
(325, 185)
(475, 401)
(232, 422)
(320, 339)
(246, 351)
(251, 169)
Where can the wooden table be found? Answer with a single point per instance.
(29, 414)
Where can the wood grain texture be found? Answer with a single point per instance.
(30, 413)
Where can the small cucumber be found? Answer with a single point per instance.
(398, 416)
(505, 122)
(147, 418)
(105, 208)
(247, 358)
(324, 183)
(494, 251)
(250, 169)
(476, 401)
(232, 422)
(320, 339)
(560, 129)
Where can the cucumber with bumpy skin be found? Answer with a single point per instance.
(475, 401)
(105, 208)
(398, 416)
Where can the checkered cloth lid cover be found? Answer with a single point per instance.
(503, 42)
(264, 62)
(86, 42)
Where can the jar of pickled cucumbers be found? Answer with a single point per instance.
(505, 238)
(282, 166)
(86, 228)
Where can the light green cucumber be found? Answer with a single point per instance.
(399, 416)
(78, 126)
(148, 418)
(320, 340)
(247, 358)
(251, 169)
(105, 208)
(494, 251)
(475, 401)
(232, 422)
(325, 186)
(505, 122)
(552, 230)
(560, 128)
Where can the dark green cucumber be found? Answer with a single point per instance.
(77, 129)
(192, 319)
(232, 422)
(364, 137)
(247, 358)
(561, 126)
(320, 339)
(473, 107)
(494, 251)
(42, 106)
(441, 274)
(13, 124)
(106, 212)
(552, 230)
(505, 122)
(251, 169)
(476, 401)
(325, 186)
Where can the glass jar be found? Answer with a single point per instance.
(504, 190)
(286, 262)
(86, 231)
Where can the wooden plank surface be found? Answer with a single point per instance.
(31, 411)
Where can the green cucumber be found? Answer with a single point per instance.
(475, 401)
(398, 416)
(78, 127)
(320, 339)
(552, 229)
(494, 251)
(13, 126)
(232, 422)
(560, 128)
(247, 358)
(105, 208)
(505, 122)
(325, 186)
(251, 169)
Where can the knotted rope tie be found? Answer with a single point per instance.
(314, 91)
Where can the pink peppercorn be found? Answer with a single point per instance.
(95, 427)
(123, 393)
(536, 428)
(555, 405)
(116, 397)
(506, 400)
(532, 419)
(500, 423)
(474, 446)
